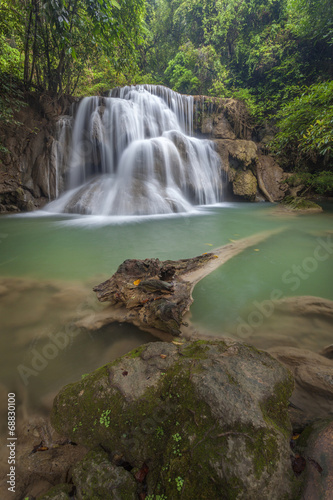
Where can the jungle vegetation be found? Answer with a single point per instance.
(276, 55)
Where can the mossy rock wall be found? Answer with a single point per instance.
(207, 419)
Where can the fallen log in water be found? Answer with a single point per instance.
(154, 290)
(155, 295)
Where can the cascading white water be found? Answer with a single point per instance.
(60, 151)
(132, 154)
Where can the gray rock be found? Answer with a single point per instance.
(245, 184)
(30, 162)
(316, 446)
(273, 177)
(96, 478)
(209, 419)
(217, 126)
(313, 391)
(327, 352)
(239, 154)
(59, 492)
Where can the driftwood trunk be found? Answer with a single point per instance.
(153, 290)
(156, 295)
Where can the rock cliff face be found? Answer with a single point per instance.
(253, 176)
(28, 172)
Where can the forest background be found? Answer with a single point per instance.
(275, 55)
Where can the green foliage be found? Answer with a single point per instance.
(195, 70)
(105, 418)
(275, 55)
(311, 19)
(159, 432)
(11, 101)
(181, 76)
(306, 125)
(320, 183)
(179, 482)
(59, 39)
(11, 61)
(156, 497)
(255, 107)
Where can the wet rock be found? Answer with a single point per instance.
(309, 306)
(319, 457)
(300, 205)
(313, 392)
(245, 185)
(253, 177)
(238, 154)
(292, 321)
(43, 459)
(53, 302)
(59, 492)
(217, 127)
(219, 117)
(327, 352)
(273, 177)
(205, 419)
(28, 180)
(96, 477)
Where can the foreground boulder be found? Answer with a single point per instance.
(195, 420)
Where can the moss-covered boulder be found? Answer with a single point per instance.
(300, 205)
(203, 419)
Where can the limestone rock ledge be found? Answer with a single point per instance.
(253, 176)
(194, 420)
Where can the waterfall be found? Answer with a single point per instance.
(132, 153)
(61, 151)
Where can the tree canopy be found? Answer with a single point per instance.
(59, 39)
(276, 55)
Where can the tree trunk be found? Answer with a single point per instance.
(27, 48)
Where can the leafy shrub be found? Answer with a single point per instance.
(306, 125)
(321, 183)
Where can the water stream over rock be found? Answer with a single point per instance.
(132, 153)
